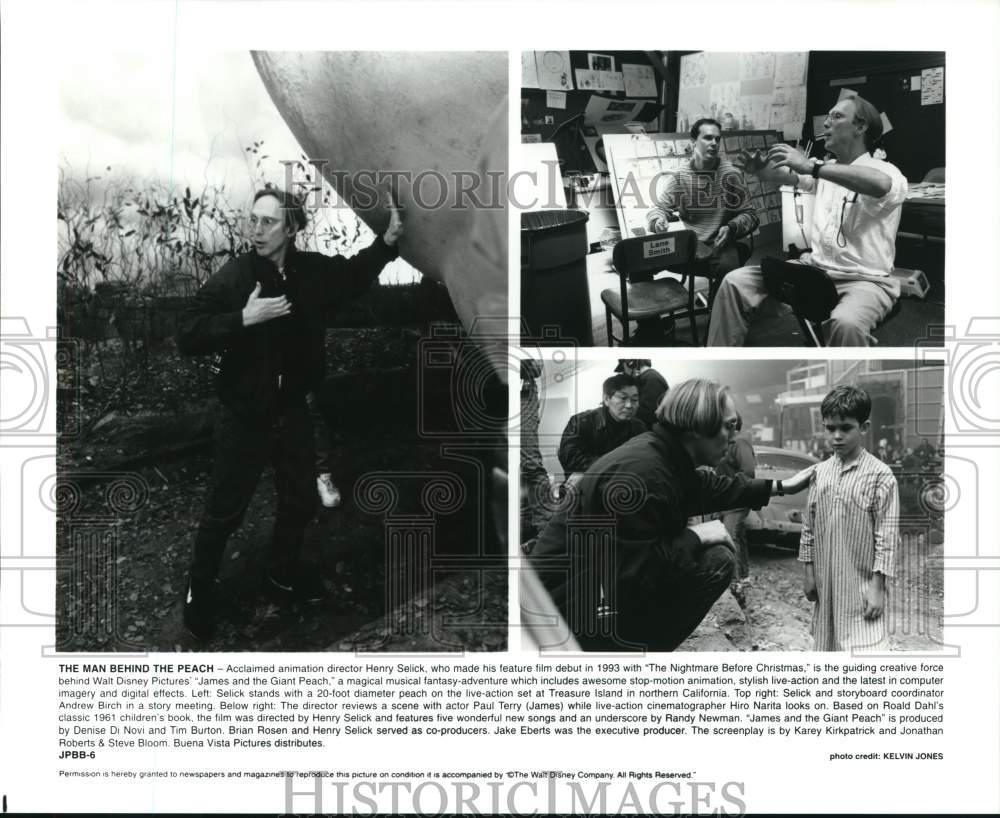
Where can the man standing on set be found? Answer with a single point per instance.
(652, 386)
(265, 312)
(855, 216)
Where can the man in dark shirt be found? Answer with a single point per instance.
(621, 563)
(652, 386)
(925, 452)
(594, 433)
(264, 314)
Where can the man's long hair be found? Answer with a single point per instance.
(867, 114)
(291, 206)
(695, 406)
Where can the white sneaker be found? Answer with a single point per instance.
(329, 494)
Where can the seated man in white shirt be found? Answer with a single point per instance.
(854, 221)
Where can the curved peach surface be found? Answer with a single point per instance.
(408, 112)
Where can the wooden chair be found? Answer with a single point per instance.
(810, 292)
(639, 295)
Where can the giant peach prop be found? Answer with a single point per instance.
(432, 120)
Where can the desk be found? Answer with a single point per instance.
(923, 210)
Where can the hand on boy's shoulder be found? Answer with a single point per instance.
(799, 481)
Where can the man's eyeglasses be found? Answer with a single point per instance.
(626, 399)
(265, 222)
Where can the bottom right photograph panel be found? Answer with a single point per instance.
(751, 505)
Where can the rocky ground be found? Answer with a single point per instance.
(777, 615)
(131, 488)
(122, 591)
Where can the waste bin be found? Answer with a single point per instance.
(555, 297)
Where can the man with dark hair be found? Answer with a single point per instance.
(265, 312)
(593, 433)
(712, 199)
(652, 386)
(622, 564)
(856, 211)
(293, 210)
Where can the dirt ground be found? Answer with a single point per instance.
(778, 615)
(132, 487)
(140, 578)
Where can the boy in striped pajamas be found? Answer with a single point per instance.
(850, 531)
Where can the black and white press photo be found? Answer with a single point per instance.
(372, 444)
(281, 300)
(732, 198)
(688, 505)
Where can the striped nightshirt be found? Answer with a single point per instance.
(850, 531)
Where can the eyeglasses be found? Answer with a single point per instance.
(841, 239)
(626, 399)
(266, 222)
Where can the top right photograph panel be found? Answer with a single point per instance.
(767, 199)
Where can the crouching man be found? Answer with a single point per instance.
(623, 566)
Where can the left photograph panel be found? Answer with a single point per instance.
(282, 309)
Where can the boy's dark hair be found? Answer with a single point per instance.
(847, 402)
(291, 206)
(616, 382)
(696, 128)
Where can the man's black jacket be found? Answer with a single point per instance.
(288, 350)
(642, 495)
(591, 434)
(652, 387)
